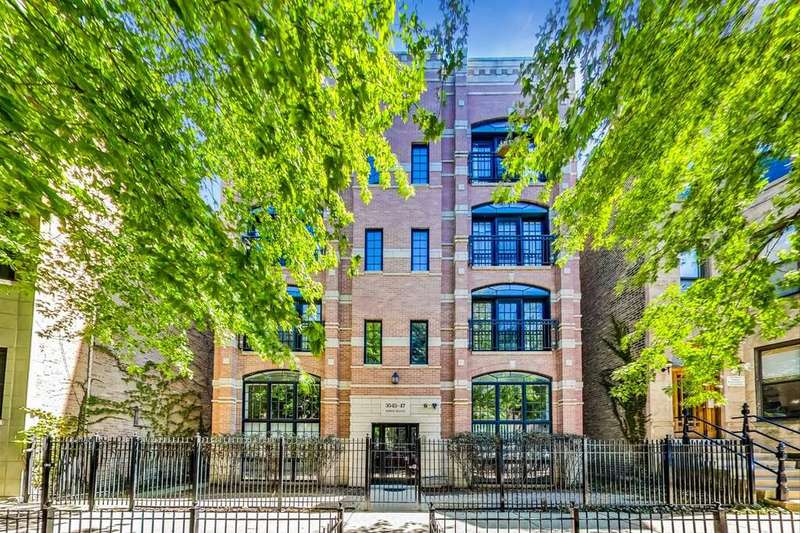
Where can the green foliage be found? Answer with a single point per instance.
(628, 409)
(48, 423)
(115, 114)
(165, 406)
(676, 109)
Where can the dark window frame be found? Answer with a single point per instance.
(367, 233)
(495, 221)
(688, 281)
(7, 273)
(269, 420)
(523, 421)
(366, 342)
(411, 342)
(427, 262)
(415, 167)
(759, 377)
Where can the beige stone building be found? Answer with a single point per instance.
(769, 382)
(49, 372)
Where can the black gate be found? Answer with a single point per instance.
(395, 460)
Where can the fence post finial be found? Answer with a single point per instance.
(781, 491)
(745, 422)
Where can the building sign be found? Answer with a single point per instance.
(734, 381)
(395, 407)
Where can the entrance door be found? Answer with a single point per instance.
(703, 419)
(394, 453)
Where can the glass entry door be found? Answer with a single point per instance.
(395, 453)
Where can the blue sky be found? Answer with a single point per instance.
(497, 27)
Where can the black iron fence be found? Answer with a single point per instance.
(481, 473)
(510, 250)
(512, 335)
(178, 520)
(574, 520)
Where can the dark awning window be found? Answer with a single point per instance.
(519, 208)
(497, 126)
(511, 290)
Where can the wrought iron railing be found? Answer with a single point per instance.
(750, 437)
(292, 339)
(467, 472)
(513, 335)
(510, 250)
(485, 167)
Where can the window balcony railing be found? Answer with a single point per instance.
(510, 250)
(292, 339)
(534, 335)
(486, 167)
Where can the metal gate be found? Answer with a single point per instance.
(395, 472)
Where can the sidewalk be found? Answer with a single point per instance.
(410, 522)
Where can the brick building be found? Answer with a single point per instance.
(458, 320)
(769, 382)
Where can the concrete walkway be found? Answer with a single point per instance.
(411, 522)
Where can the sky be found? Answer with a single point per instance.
(497, 27)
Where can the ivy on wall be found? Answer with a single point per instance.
(628, 410)
(167, 403)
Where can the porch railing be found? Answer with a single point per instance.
(533, 335)
(510, 250)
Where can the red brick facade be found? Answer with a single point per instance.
(439, 393)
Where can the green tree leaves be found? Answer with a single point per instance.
(113, 114)
(674, 108)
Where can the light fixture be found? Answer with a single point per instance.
(395, 378)
(137, 417)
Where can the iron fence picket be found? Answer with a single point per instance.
(522, 472)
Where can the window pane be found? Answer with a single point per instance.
(481, 326)
(532, 244)
(373, 250)
(282, 401)
(781, 399)
(419, 343)
(419, 249)
(483, 405)
(419, 164)
(507, 242)
(373, 342)
(257, 401)
(780, 364)
(537, 403)
(308, 401)
(510, 402)
(690, 268)
(374, 175)
(482, 242)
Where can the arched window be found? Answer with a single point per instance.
(278, 402)
(510, 234)
(511, 317)
(485, 164)
(505, 403)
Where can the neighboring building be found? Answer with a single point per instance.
(48, 372)
(769, 382)
(458, 321)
